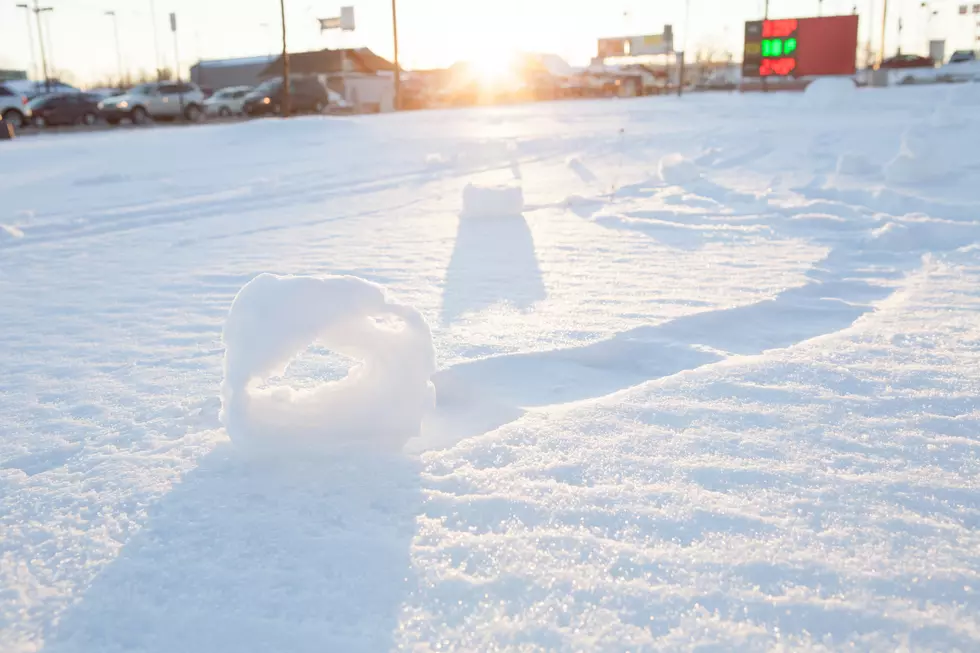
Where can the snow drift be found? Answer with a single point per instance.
(829, 92)
(492, 201)
(677, 170)
(378, 405)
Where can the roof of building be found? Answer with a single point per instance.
(360, 60)
(240, 61)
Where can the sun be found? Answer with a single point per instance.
(493, 67)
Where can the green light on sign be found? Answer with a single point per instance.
(778, 47)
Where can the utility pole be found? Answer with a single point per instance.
(30, 38)
(884, 21)
(40, 37)
(398, 72)
(156, 39)
(285, 108)
(680, 63)
(115, 28)
(869, 51)
(173, 30)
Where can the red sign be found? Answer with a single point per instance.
(779, 67)
(801, 47)
(778, 29)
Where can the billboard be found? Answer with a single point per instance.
(800, 47)
(637, 46)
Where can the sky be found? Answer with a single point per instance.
(432, 33)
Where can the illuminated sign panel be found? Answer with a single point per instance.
(800, 47)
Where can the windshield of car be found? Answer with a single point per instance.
(143, 89)
(268, 86)
(41, 100)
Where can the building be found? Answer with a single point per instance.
(11, 75)
(364, 79)
(221, 73)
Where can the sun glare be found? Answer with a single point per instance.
(493, 67)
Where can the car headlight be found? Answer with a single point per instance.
(100, 106)
(122, 105)
(266, 100)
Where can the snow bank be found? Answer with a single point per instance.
(829, 92)
(677, 170)
(379, 404)
(492, 201)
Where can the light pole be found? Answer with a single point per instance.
(30, 37)
(285, 64)
(156, 38)
(115, 27)
(884, 22)
(40, 38)
(398, 72)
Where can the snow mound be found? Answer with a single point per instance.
(677, 170)
(379, 404)
(492, 201)
(829, 92)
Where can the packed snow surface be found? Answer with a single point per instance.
(698, 381)
(495, 201)
(379, 404)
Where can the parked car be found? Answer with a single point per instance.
(306, 94)
(907, 61)
(13, 107)
(65, 109)
(961, 56)
(227, 101)
(168, 100)
(32, 89)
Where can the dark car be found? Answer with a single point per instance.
(907, 61)
(962, 56)
(65, 109)
(306, 94)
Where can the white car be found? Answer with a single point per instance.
(13, 107)
(227, 102)
(159, 100)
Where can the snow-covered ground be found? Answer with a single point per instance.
(706, 379)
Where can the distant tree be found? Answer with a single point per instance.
(64, 76)
(164, 74)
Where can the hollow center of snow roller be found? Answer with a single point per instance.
(378, 405)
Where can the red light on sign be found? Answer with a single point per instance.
(777, 67)
(778, 29)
